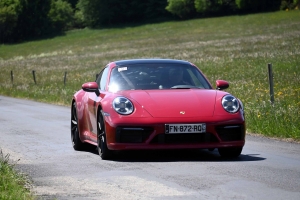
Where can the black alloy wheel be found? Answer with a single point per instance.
(76, 142)
(103, 151)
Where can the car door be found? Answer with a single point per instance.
(93, 98)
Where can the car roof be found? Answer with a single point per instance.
(150, 61)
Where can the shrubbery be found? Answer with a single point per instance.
(97, 13)
(289, 4)
(9, 12)
(61, 15)
(215, 7)
(28, 19)
(225, 7)
(258, 5)
(181, 8)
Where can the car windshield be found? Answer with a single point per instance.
(156, 76)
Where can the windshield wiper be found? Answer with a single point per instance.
(183, 87)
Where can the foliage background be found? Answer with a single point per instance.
(22, 20)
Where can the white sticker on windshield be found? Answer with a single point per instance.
(122, 69)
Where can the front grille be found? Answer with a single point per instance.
(133, 134)
(231, 132)
(190, 138)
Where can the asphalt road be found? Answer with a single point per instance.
(37, 138)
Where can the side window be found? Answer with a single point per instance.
(102, 78)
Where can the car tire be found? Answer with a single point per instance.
(77, 144)
(231, 152)
(103, 151)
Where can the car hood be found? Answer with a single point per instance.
(175, 103)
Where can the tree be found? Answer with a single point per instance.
(9, 12)
(258, 5)
(289, 4)
(97, 13)
(182, 8)
(33, 20)
(202, 6)
(215, 7)
(73, 3)
(60, 15)
(155, 10)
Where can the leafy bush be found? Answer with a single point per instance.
(155, 10)
(79, 21)
(218, 7)
(93, 11)
(289, 4)
(73, 3)
(97, 13)
(27, 19)
(182, 8)
(203, 6)
(60, 15)
(33, 20)
(9, 11)
(258, 5)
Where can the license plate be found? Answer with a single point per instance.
(185, 128)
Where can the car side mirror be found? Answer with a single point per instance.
(91, 87)
(221, 84)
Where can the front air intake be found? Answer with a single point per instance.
(231, 132)
(133, 134)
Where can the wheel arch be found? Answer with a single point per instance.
(79, 121)
(99, 109)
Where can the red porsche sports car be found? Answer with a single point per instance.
(147, 104)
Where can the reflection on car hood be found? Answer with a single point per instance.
(175, 103)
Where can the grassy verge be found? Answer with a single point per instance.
(235, 48)
(13, 185)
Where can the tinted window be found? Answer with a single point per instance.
(156, 76)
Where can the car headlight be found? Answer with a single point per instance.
(230, 103)
(123, 106)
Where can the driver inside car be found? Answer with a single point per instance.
(175, 77)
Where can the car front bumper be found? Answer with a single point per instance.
(150, 134)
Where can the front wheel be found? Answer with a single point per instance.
(231, 152)
(103, 151)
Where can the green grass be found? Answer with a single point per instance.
(13, 185)
(236, 48)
